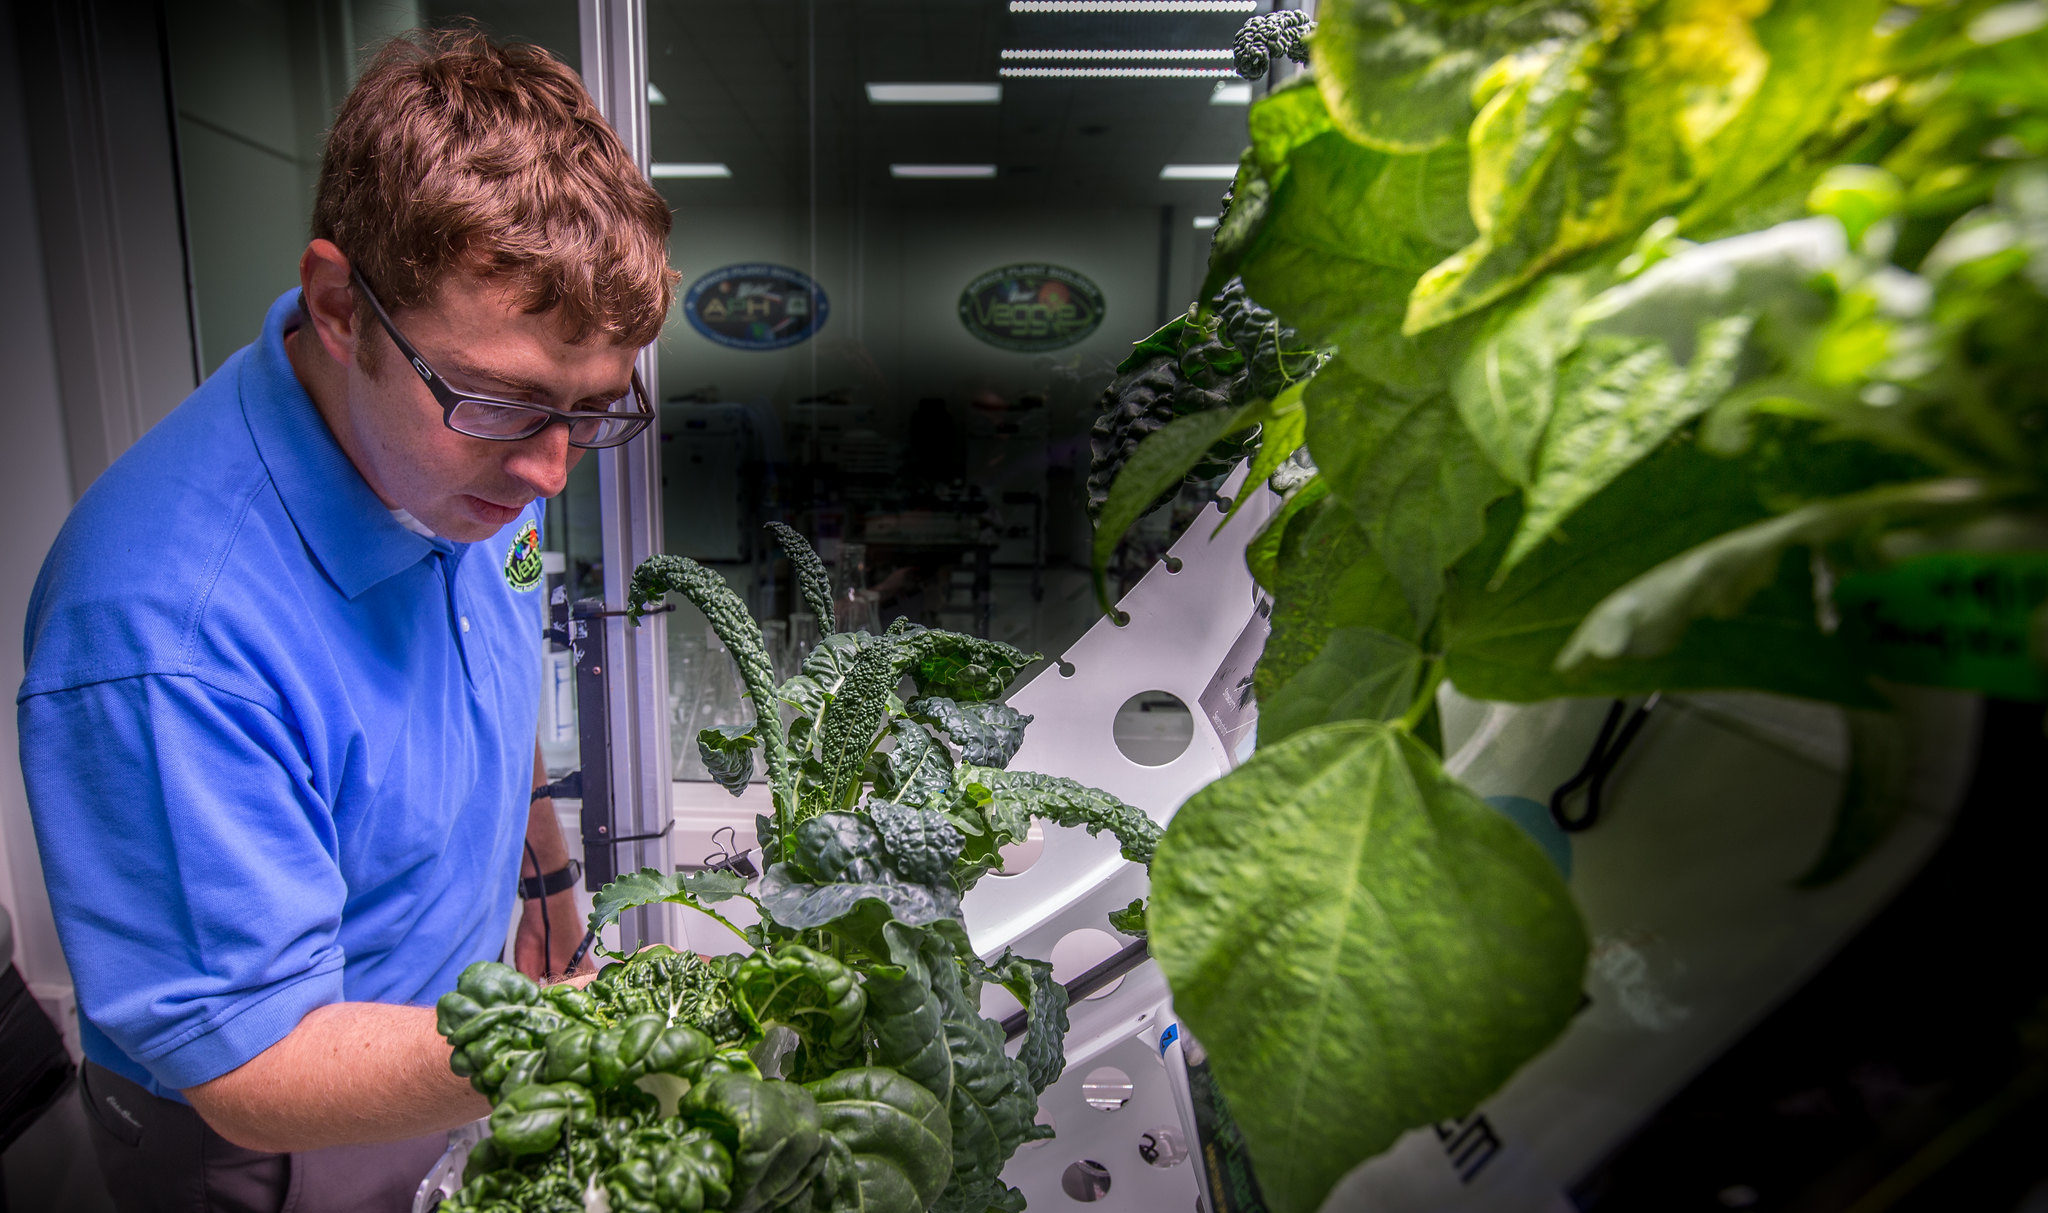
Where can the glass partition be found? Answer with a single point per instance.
(915, 240)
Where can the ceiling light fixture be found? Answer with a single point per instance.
(1206, 221)
(1232, 92)
(1115, 73)
(673, 171)
(1026, 53)
(655, 96)
(1133, 6)
(942, 170)
(935, 94)
(1198, 172)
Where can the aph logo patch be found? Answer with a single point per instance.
(522, 562)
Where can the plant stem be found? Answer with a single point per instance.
(1420, 708)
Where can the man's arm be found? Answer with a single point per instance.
(557, 934)
(349, 1073)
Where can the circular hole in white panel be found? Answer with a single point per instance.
(1086, 1181)
(1079, 951)
(1106, 1089)
(1153, 728)
(1020, 855)
(1163, 1146)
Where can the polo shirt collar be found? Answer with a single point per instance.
(351, 534)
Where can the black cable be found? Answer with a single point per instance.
(547, 940)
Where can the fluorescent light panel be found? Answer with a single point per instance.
(674, 170)
(935, 94)
(1232, 92)
(1198, 172)
(942, 170)
(1206, 221)
(655, 96)
(1115, 73)
(1163, 53)
(1133, 6)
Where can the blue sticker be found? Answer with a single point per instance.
(1536, 821)
(756, 306)
(1166, 1038)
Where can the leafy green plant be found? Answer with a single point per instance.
(1672, 346)
(842, 1064)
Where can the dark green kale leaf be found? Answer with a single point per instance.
(680, 987)
(728, 753)
(988, 734)
(1002, 796)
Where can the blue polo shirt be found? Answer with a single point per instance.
(278, 747)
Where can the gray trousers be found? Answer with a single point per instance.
(158, 1156)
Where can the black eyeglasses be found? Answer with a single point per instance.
(498, 420)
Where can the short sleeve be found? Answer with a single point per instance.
(191, 864)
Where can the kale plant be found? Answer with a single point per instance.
(842, 1064)
(1676, 346)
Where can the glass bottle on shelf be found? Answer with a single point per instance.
(855, 606)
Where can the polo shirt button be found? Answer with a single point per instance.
(465, 623)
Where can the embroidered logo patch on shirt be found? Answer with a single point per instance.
(522, 562)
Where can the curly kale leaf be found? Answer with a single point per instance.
(679, 987)
(988, 734)
(844, 855)
(811, 579)
(918, 769)
(1277, 33)
(728, 753)
(922, 845)
(658, 576)
(1043, 1052)
(1131, 919)
(1003, 796)
(926, 1027)
(960, 667)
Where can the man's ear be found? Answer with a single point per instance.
(330, 299)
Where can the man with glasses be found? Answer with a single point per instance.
(278, 724)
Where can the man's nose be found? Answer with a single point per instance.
(542, 461)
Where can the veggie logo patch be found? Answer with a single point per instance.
(522, 560)
(1030, 308)
(756, 307)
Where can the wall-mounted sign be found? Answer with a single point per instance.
(1031, 307)
(756, 307)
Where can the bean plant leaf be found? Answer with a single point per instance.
(1325, 576)
(1618, 398)
(1014, 795)
(648, 886)
(1503, 643)
(728, 753)
(988, 734)
(1360, 674)
(1408, 469)
(1262, 553)
(1392, 975)
(1718, 578)
(1506, 384)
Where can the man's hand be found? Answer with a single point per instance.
(542, 949)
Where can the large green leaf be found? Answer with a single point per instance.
(1362, 945)
(1718, 578)
(1360, 674)
(1262, 553)
(899, 1133)
(1325, 576)
(1399, 74)
(925, 1027)
(728, 753)
(1503, 643)
(648, 886)
(919, 769)
(1506, 383)
(988, 734)
(1618, 399)
(1408, 469)
(1581, 140)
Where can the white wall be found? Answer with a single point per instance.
(35, 473)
